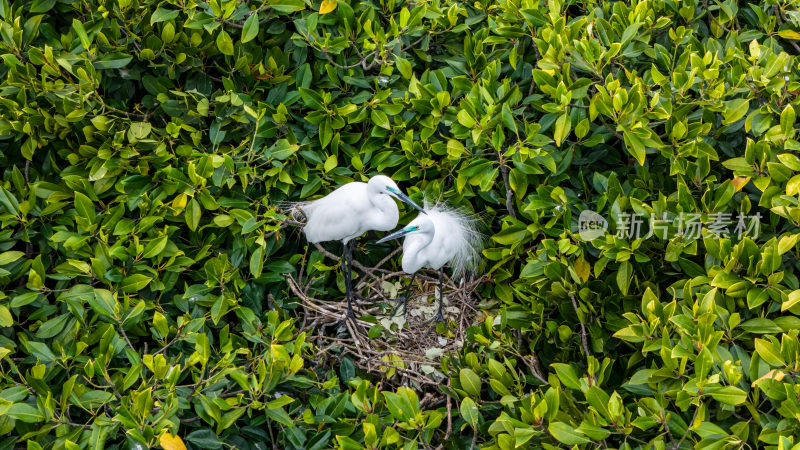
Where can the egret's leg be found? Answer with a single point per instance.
(402, 301)
(356, 296)
(346, 252)
(439, 317)
(349, 277)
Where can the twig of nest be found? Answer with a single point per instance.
(406, 351)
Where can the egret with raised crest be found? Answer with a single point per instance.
(442, 236)
(350, 211)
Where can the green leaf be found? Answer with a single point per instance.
(81, 32)
(398, 406)
(788, 121)
(224, 43)
(9, 202)
(624, 277)
(469, 412)
(10, 257)
(257, 262)
(641, 377)
(792, 300)
(347, 443)
(507, 118)
(193, 213)
(39, 6)
(25, 413)
(567, 375)
(204, 438)
(635, 146)
(6, 320)
(567, 434)
(735, 110)
(162, 15)
(53, 327)
(769, 353)
(41, 351)
(103, 302)
(380, 119)
(223, 220)
(729, 395)
(470, 382)
(135, 283)
(630, 32)
(287, 6)
(24, 299)
(455, 148)
(563, 126)
(404, 67)
(599, 400)
(330, 163)
(84, 207)
(155, 247)
(139, 130)
(465, 118)
(112, 61)
(250, 29)
(760, 325)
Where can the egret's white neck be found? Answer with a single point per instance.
(414, 255)
(381, 200)
(386, 215)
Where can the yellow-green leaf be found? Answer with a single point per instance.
(327, 6)
(789, 34)
(224, 43)
(170, 442)
(6, 320)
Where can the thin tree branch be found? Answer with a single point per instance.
(533, 363)
(125, 335)
(686, 433)
(538, 57)
(361, 63)
(584, 334)
(509, 192)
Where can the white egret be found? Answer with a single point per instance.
(350, 211)
(439, 237)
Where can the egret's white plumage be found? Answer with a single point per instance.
(352, 210)
(347, 213)
(441, 236)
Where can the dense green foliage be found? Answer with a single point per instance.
(145, 143)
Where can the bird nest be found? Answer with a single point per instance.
(400, 349)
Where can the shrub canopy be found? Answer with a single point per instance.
(145, 145)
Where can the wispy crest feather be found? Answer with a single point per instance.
(461, 226)
(293, 209)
